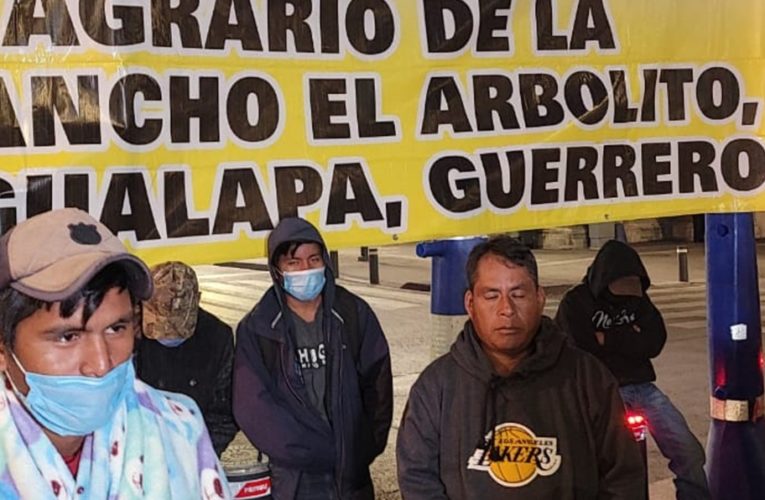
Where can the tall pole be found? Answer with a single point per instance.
(736, 444)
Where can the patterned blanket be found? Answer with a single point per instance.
(155, 447)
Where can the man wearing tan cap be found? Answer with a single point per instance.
(74, 421)
(188, 350)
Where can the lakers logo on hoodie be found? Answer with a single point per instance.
(514, 455)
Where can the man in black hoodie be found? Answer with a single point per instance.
(187, 349)
(514, 411)
(312, 376)
(610, 315)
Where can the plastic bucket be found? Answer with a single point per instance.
(250, 482)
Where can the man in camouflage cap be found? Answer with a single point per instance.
(170, 316)
(188, 350)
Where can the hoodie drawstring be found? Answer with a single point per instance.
(490, 410)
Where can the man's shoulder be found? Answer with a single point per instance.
(577, 300)
(213, 339)
(268, 302)
(264, 311)
(585, 364)
(343, 295)
(579, 290)
(207, 317)
(347, 303)
(170, 405)
(439, 372)
(578, 354)
(209, 324)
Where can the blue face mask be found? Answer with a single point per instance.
(171, 342)
(73, 405)
(305, 285)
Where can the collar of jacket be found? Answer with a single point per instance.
(274, 302)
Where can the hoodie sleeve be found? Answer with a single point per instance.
(646, 343)
(417, 448)
(375, 379)
(574, 318)
(263, 415)
(620, 463)
(219, 417)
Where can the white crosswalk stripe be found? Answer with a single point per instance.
(230, 293)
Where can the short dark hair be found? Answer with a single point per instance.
(289, 248)
(16, 307)
(506, 248)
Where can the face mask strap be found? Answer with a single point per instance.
(14, 387)
(18, 363)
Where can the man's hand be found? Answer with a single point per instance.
(600, 337)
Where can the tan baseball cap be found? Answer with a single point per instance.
(171, 312)
(53, 255)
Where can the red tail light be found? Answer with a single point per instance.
(638, 424)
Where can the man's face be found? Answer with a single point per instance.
(48, 344)
(505, 306)
(307, 256)
(627, 286)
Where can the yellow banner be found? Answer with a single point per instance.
(191, 128)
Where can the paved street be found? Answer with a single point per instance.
(682, 367)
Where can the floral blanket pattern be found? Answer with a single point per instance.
(155, 447)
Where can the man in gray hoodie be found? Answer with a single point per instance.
(513, 410)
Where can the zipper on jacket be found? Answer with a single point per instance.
(338, 480)
(281, 362)
(334, 427)
(287, 377)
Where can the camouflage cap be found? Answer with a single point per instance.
(171, 312)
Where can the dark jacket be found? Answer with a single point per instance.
(633, 328)
(560, 428)
(201, 368)
(270, 400)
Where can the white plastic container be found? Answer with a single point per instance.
(250, 482)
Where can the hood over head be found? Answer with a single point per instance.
(545, 350)
(615, 260)
(294, 230)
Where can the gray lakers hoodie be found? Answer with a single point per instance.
(553, 429)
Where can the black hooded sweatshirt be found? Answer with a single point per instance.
(633, 328)
(559, 423)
